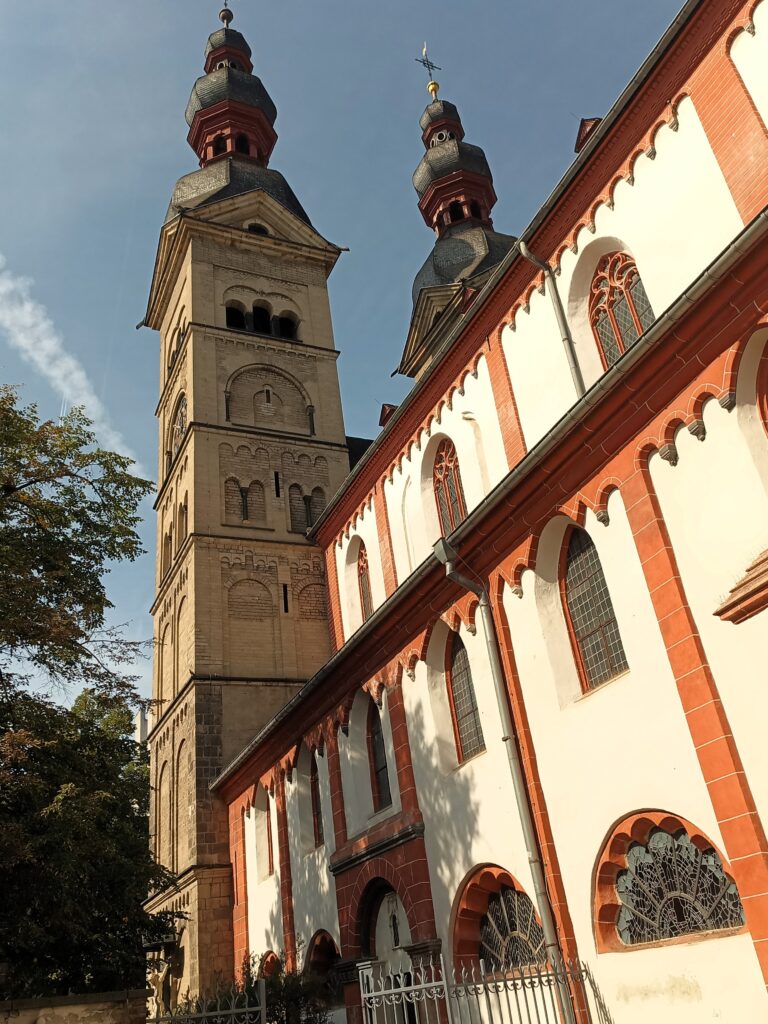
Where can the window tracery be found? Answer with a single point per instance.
(468, 731)
(594, 630)
(449, 492)
(619, 309)
(510, 932)
(671, 888)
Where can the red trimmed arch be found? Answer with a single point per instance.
(379, 875)
(471, 905)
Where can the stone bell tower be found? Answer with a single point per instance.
(252, 445)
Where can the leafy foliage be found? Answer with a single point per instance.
(67, 510)
(75, 864)
(292, 997)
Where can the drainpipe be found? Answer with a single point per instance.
(562, 323)
(448, 557)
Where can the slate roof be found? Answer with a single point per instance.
(230, 38)
(232, 176)
(466, 249)
(230, 84)
(440, 110)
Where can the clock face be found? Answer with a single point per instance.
(179, 424)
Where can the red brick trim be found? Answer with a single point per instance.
(721, 765)
(504, 400)
(385, 539)
(239, 884)
(286, 878)
(612, 860)
(335, 785)
(406, 782)
(762, 388)
(334, 598)
(471, 904)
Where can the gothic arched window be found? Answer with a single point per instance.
(510, 933)
(364, 583)
(377, 759)
(467, 729)
(594, 630)
(619, 309)
(317, 811)
(671, 888)
(449, 493)
(179, 427)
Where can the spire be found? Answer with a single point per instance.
(230, 113)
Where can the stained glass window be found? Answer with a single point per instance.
(672, 888)
(510, 933)
(619, 307)
(382, 796)
(364, 583)
(461, 691)
(595, 631)
(449, 493)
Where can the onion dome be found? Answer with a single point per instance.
(230, 112)
(455, 188)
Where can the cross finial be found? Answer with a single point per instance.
(433, 86)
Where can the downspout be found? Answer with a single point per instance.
(448, 557)
(562, 323)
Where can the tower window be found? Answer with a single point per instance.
(268, 396)
(219, 145)
(285, 597)
(235, 318)
(474, 209)
(456, 212)
(594, 630)
(619, 309)
(262, 321)
(242, 145)
(277, 484)
(449, 493)
(287, 327)
(377, 758)
(468, 731)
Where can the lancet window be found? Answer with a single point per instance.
(449, 493)
(317, 812)
(619, 308)
(594, 630)
(377, 758)
(468, 732)
(364, 583)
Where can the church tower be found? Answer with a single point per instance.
(252, 445)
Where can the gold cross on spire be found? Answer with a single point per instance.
(433, 87)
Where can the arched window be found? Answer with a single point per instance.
(364, 583)
(242, 145)
(467, 729)
(671, 888)
(298, 509)
(255, 503)
(510, 933)
(317, 811)
(179, 427)
(456, 212)
(257, 229)
(287, 328)
(377, 759)
(317, 504)
(594, 631)
(219, 145)
(449, 494)
(619, 310)
(474, 209)
(262, 321)
(235, 318)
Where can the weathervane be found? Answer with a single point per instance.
(433, 86)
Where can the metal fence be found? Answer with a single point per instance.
(232, 1006)
(430, 993)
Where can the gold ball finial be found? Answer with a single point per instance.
(226, 16)
(433, 88)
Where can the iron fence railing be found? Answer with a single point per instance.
(431, 993)
(232, 1006)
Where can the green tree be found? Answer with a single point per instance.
(74, 789)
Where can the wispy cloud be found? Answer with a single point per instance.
(32, 333)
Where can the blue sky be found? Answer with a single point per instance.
(94, 138)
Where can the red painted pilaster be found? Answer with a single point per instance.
(239, 884)
(504, 400)
(385, 539)
(337, 791)
(286, 878)
(409, 800)
(743, 834)
(334, 599)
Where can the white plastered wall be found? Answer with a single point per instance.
(749, 53)
(314, 890)
(265, 922)
(716, 509)
(365, 530)
(472, 424)
(659, 221)
(355, 768)
(469, 809)
(622, 748)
